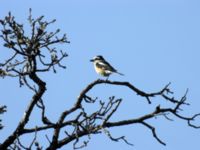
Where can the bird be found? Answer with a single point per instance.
(102, 67)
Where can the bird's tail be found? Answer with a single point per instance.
(119, 73)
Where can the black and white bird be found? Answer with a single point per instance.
(102, 67)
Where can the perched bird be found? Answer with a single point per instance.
(102, 67)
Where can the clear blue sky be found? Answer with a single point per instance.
(152, 42)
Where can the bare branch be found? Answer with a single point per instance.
(153, 130)
(2, 110)
(116, 139)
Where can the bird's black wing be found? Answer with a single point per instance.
(106, 66)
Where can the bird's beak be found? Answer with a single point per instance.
(91, 60)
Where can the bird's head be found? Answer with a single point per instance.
(97, 58)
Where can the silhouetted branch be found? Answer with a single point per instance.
(153, 130)
(2, 110)
(116, 139)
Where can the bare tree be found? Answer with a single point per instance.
(36, 53)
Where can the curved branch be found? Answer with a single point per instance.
(153, 130)
(19, 130)
(126, 84)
